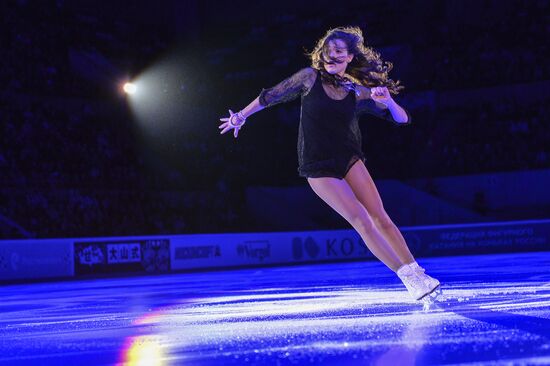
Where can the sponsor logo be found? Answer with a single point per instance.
(156, 255)
(26, 260)
(346, 247)
(123, 253)
(90, 255)
(195, 252)
(151, 255)
(255, 249)
(308, 248)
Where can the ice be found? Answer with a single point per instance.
(489, 308)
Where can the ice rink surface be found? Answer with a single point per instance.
(495, 309)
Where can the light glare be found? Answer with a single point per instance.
(129, 88)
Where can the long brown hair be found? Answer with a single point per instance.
(367, 68)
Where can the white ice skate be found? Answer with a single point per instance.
(431, 282)
(419, 284)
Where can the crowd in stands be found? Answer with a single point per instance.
(489, 137)
(71, 166)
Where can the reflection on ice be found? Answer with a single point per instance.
(330, 314)
(143, 351)
(405, 350)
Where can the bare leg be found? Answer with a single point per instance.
(364, 189)
(338, 195)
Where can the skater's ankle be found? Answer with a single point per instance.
(414, 265)
(411, 265)
(403, 268)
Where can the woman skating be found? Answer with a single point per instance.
(345, 80)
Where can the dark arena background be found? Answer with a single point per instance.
(134, 233)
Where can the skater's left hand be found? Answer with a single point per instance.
(381, 94)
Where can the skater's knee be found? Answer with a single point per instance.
(383, 221)
(362, 222)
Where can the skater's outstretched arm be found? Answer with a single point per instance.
(236, 120)
(378, 102)
(285, 91)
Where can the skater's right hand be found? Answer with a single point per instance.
(234, 121)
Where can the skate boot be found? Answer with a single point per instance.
(430, 282)
(416, 281)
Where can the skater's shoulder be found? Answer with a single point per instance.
(308, 73)
(307, 77)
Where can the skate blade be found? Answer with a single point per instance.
(429, 301)
(432, 295)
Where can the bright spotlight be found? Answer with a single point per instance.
(129, 88)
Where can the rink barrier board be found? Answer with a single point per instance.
(52, 258)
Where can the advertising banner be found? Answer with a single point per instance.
(220, 250)
(34, 259)
(122, 255)
(505, 237)
(28, 259)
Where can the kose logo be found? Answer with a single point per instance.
(309, 245)
(339, 247)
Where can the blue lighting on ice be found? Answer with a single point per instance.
(494, 308)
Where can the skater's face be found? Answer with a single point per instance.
(336, 57)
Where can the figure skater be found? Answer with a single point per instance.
(345, 80)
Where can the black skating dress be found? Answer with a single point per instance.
(329, 138)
